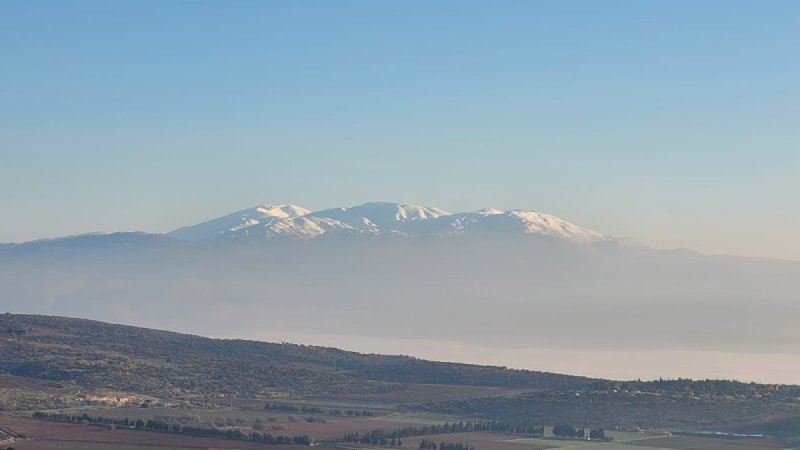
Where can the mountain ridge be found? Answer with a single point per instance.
(381, 219)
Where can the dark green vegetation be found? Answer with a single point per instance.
(382, 437)
(178, 366)
(74, 370)
(666, 404)
(426, 444)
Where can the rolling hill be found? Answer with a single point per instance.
(45, 360)
(178, 366)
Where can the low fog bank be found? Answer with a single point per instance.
(513, 298)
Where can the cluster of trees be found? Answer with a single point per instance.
(283, 407)
(508, 426)
(511, 426)
(15, 330)
(169, 427)
(380, 437)
(712, 388)
(564, 430)
(430, 445)
(280, 407)
(374, 437)
(311, 410)
(597, 434)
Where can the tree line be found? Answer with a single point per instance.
(427, 444)
(380, 437)
(283, 407)
(374, 437)
(176, 428)
(563, 430)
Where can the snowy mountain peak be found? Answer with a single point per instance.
(281, 211)
(382, 214)
(240, 222)
(382, 219)
(489, 211)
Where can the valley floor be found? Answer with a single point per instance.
(35, 434)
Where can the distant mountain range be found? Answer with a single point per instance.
(380, 219)
(487, 278)
(292, 222)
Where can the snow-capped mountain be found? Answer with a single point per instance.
(495, 276)
(382, 219)
(240, 223)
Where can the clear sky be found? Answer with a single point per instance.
(676, 123)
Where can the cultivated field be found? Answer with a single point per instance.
(700, 443)
(323, 426)
(41, 435)
(622, 441)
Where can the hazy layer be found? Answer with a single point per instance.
(603, 309)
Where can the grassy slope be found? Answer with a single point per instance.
(166, 364)
(54, 354)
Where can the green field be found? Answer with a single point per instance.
(569, 445)
(631, 441)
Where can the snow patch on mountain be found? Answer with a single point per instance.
(489, 211)
(384, 215)
(539, 223)
(308, 227)
(240, 223)
(509, 223)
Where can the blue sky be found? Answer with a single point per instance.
(676, 123)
